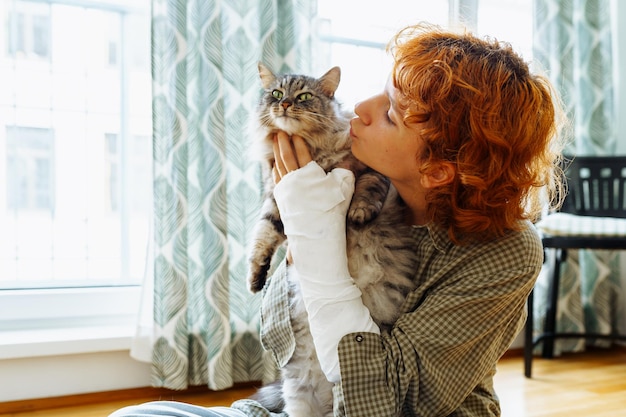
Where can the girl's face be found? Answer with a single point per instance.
(383, 142)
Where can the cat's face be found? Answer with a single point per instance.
(297, 104)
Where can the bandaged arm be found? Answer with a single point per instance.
(313, 207)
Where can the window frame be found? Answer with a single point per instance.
(53, 320)
(47, 322)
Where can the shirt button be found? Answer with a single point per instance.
(358, 338)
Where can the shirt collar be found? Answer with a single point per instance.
(437, 235)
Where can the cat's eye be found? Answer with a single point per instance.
(305, 96)
(277, 94)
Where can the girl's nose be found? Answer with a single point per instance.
(360, 109)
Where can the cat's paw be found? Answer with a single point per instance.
(255, 285)
(257, 277)
(362, 212)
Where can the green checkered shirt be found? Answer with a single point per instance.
(440, 358)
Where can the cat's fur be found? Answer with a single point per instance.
(381, 255)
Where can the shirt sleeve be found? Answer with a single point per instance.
(470, 311)
(276, 332)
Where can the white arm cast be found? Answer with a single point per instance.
(313, 208)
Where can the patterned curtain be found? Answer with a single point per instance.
(207, 193)
(573, 42)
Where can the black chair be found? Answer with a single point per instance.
(596, 187)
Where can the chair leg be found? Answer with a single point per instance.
(528, 337)
(551, 310)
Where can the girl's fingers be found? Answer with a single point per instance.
(303, 155)
(278, 169)
(276, 175)
(289, 154)
(286, 152)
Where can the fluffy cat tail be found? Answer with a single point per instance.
(271, 397)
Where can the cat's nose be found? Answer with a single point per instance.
(285, 104)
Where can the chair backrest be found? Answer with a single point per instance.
(596, 186)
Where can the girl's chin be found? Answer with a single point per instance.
(355, 149)
(357, 154)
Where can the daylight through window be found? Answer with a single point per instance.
(75, 148)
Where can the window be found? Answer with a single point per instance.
(112, 164)
(510, 21)
(358, 46)
(30, 173)
(75, 150)
(29, 30)
(75, 173)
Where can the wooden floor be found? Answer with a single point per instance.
(591, 384)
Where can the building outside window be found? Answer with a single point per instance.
(29, 32)
(30, 173)
(75, 112)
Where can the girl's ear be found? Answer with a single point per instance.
(441, 174)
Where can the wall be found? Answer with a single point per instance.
(53, 376)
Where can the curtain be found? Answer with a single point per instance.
(573, 43)
(207, 192)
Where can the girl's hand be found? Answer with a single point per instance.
(289, 154)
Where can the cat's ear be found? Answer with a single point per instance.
(267, 76)
(330, 81)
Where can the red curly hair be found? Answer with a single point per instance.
(489, 116)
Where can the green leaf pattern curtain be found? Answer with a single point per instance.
(573, 42)
(207, 192)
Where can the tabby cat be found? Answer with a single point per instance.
(381, 253)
